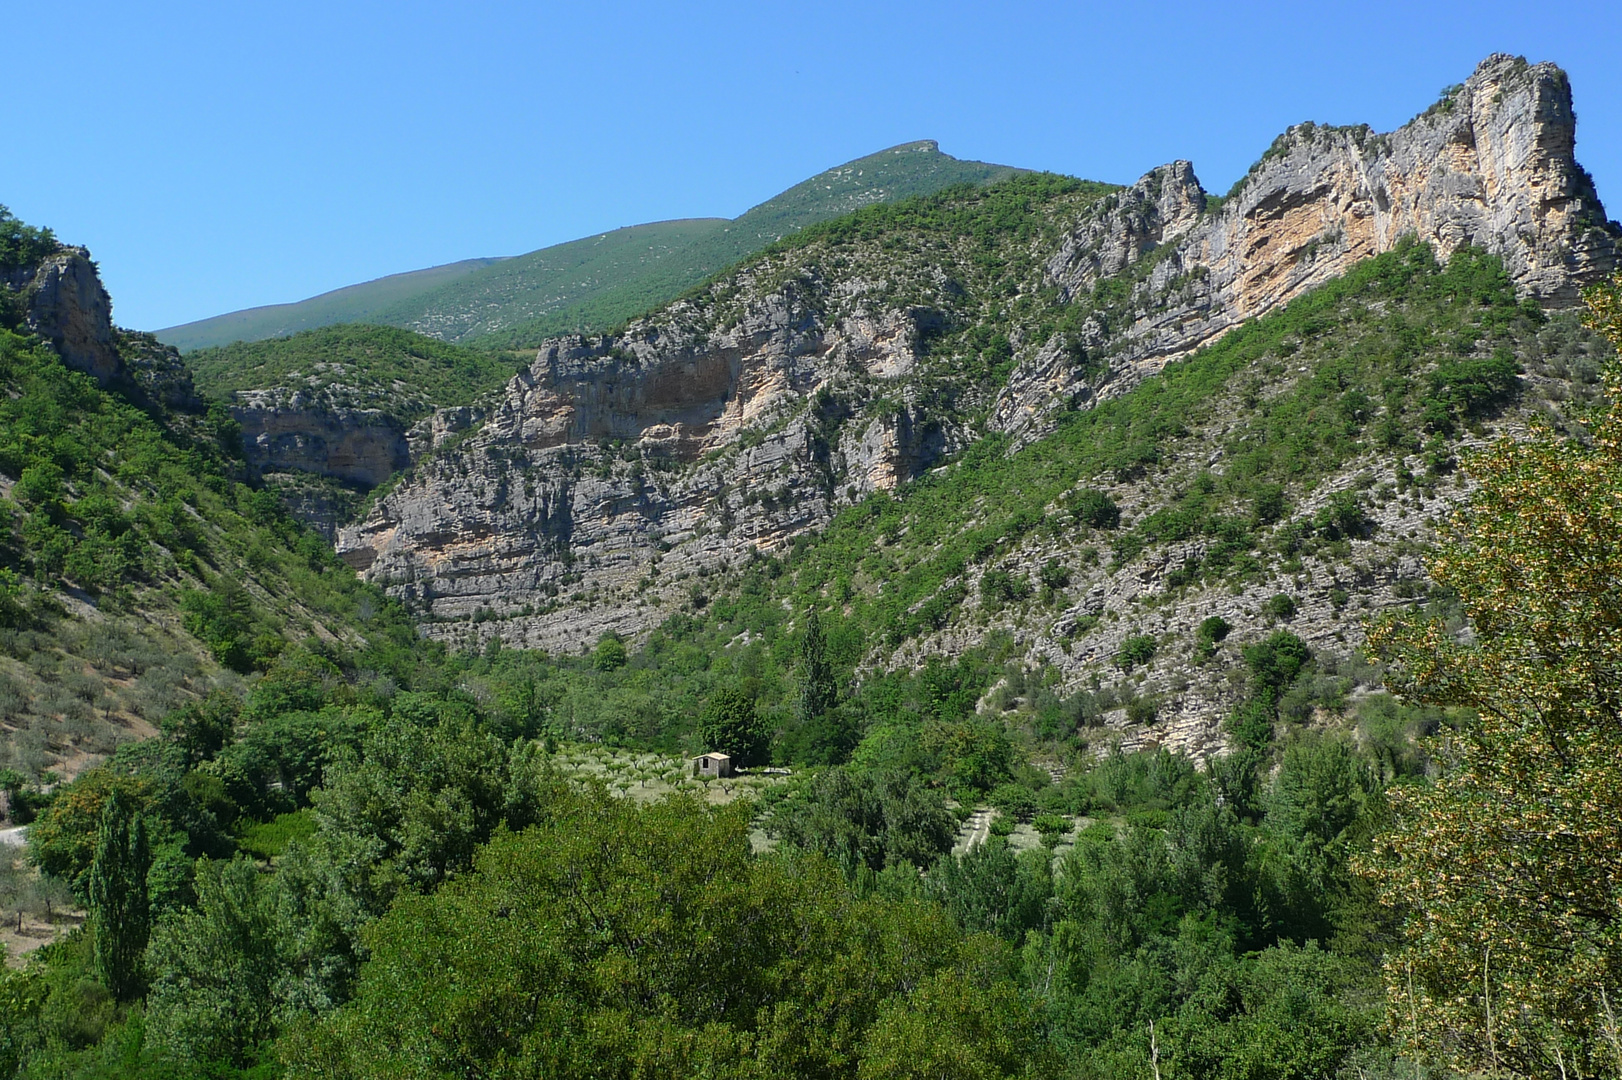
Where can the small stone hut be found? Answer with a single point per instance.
(712, 765)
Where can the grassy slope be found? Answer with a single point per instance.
(353, 303)
(355, 366)
(553, 280)
(136, 573)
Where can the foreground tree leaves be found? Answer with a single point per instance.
(616, 941)
(1510, 865)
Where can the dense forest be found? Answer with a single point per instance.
(343, 850)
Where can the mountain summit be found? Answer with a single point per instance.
(597, 281)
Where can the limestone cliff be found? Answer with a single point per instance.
(1491, 165)
(664, 452)
(60, 297)
(63, 301)
(329, 414)
(284, 432)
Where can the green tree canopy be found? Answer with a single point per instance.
(1510, 865)
(120, 913)
(612, 940)
(732, 725)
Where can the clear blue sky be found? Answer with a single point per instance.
(215, 156)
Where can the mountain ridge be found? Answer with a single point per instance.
(279, 320)
(568, 285)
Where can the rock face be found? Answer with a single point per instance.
(64, 303)
(611, 465)
(284, 433)
(693, 439)
(1490, 165)
(60, 297)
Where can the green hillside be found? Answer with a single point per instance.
(597, 281)
(1375, 373)
(897, 173)
(137, 573)
(355, 366)
(353, 303)
(565, 281)
(273, 833)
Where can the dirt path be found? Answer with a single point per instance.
(974, 831)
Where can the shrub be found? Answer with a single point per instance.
(610, 654)
(1053, 828)
(1054, 575)
(22, 245)
(39, 485)
(1343, 517)
(1014, 801)
(269, 839)
(1214, 629)
(1267, 505)
(1275, 662)
(1142, 710)
(1095, 509)
(1280, 606)
(999, 586)
(1135, 651)
(222, 620)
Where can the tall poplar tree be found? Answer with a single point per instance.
(120, 912)
(818, 693)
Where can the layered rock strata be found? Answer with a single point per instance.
(287, 433)
(607, 469)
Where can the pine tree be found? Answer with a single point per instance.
(120, 914)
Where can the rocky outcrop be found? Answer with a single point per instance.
(58, 295)
(285, 433)
(322, 503)
(894, 447)
(615, 474)
(1165, 203)
(613, 465)
(1491, 165)
(155, 374)
(61, 299)
(434, 430)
